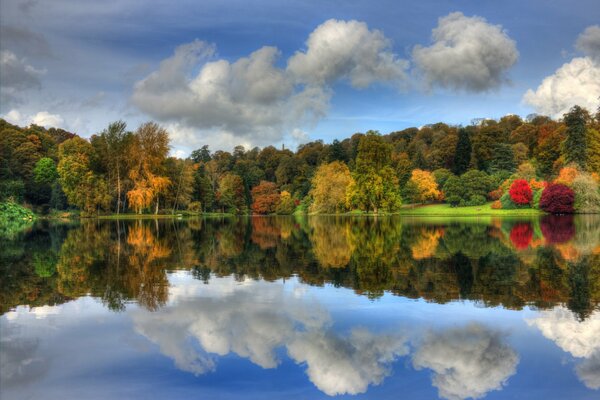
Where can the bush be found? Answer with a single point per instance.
(520, 192)
(453, 200)
(12, 211)
(496, 205)
(587, 196)
(558, 199)
(12, 190)
(537, 195)
(476, 200)
(195, 206)
(507, 203)
(475, 183)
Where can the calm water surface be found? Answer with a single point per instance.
(309, 308)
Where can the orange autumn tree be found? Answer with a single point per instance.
(567, 175)
(423, 187)
(265, 198)
(149, 149)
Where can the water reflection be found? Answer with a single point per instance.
(467, 362)
(555, 260)
(581, 339)
(244, 320)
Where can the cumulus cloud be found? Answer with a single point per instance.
(241, 319)
(347, 50)
(588, 371)
(42, 118)
(340, 365)
(253, 99)
(589, 42)
(16, 75)
(579, 338)
(467, 53)
(575, 83)
(467, 362)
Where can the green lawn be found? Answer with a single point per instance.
(485, 210)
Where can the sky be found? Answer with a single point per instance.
(227, 73)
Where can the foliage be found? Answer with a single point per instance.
(593, 150)
(520, 192)
(375, 185)
(454, 191)
(83, 188)
(558, 199)
(587, 194)
(231, 194)
(423, 187)
(462, 155)
(265, 198)
(286, 205)
(567, 175)
(329, 186)
(575, 146)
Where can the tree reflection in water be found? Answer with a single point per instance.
(539, 262)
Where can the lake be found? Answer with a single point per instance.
(302, 308)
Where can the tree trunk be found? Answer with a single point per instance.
(118, 190)
(156, 209)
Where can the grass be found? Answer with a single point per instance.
(444, 210)
(163, 216)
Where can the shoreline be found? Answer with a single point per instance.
(430, 210)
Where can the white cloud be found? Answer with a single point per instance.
(589, 42)
(228, 317)
(588, 371)
(579, 338)
(347, 50)
(252, 99)
(575, 83)
(42, 118)
(14, 117)
(467, 362)
(45, 119)
(467, 53)
(346, 365)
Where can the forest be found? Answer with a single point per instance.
(536, 162)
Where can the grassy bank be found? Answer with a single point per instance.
(444, 210)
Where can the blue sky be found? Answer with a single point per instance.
(81, 65)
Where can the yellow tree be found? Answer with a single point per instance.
(149, 149)
(329, 187)
(423, 187)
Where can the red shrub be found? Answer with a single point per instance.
(558, 229)
(520, 192)
(521, 235)
(558, 199)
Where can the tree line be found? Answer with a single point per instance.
(514, 162)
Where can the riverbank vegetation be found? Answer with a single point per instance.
(514, 164)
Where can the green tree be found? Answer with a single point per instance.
(575, 146)
(375, 183)
(593, 150)
(82, 187)
(231, 193)
(462, 155)
(114, 145)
